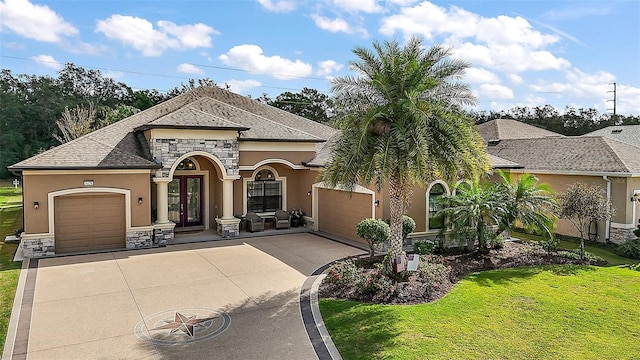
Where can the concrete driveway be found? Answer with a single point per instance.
(231, 299)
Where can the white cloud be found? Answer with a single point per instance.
(189, 69)
(113, 74)
(48, 61)
(333, 25)
(240, 86)
(367, 6)
(495, 91)
(628, 100)
(504, 43)
(278, 6)
(36, 22)
(578, 84)
(327, 67)
(141, 35)
(516, 79)
(251, 58)
(480, 76)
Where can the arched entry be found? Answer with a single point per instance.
(187, 194)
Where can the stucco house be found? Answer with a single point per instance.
(198, 161)
(605, 161)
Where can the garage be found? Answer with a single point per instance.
(340, 211)
(89, 222)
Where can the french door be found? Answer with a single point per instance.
(186, 200)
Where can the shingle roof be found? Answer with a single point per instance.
(120, 146)
(501, 129)
(323, 154)
(629, 134)
(570, 154)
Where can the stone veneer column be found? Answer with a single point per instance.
(162, 228)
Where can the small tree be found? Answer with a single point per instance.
(408, 225)
(581, 204)
(374, 232)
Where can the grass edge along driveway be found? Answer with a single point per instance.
(10, 220)
(550, 312)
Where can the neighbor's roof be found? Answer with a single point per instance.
(120, 146)
(323, 155)
(501, 129)
(570, 154)
(629, 134)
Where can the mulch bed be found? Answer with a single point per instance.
(412, 289)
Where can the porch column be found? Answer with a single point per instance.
(227, 198)
(162, 200)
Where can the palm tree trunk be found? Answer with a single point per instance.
(396, 208)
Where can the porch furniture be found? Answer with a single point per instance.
(254, 222)
(282, 219)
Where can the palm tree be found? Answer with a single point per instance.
(474, 208)
(529, 204)
(404, 125)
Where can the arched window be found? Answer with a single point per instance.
(436, 193)
(264, 193)
(187, 164)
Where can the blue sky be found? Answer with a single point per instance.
(522, 53)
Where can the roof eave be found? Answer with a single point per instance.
(187, 127)
(284, 140)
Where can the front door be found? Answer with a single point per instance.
(185, 200)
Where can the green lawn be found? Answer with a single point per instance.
(552, 312)
(10, 220)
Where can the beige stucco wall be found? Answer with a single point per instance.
(633, 187)
(250, 158)
(37, 185)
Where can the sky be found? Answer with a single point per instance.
(521, 53)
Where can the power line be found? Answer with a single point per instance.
(178, 77)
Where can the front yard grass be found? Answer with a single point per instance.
(10, 220)
(550, 312)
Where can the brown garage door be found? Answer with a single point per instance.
(89, 222)
(339, 213)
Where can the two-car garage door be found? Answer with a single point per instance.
(89, 222)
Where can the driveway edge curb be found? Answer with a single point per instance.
(317, 316)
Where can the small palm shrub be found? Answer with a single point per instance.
(630, 249)
(497, 242)
(374, 232)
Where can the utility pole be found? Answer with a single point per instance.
(615, 117)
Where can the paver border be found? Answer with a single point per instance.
(17, 340)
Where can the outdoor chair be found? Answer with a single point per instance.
(254, 222)
(282, 219)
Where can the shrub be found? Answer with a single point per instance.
(630, 249)
(636, 232)
(408, 225)
(423, 247)
(433, 273)
(374, 232)
(575, 255)
(342, 273)
(375, 285)
(550, 245)
(497, 242)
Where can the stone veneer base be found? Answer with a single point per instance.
(38, 247)
(228, 227)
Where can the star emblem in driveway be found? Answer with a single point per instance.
(182, 326)
(185, 324)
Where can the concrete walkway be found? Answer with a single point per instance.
(231, 299)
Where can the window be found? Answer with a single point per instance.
(187, 164)
(436, 193)
(264, 193)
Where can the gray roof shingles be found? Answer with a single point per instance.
(570, 154)
(629, 134)
(501, 129)
(119, 146)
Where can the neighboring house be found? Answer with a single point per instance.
(560, 161)
(197, 161)
(629, 134)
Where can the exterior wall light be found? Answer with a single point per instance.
(36, 205)
(139, 201)
(309, 193)
(377, 202)
(634, 198)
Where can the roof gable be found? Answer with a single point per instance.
(501, 129)
(629, 134)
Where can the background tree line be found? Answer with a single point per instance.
(39, 112)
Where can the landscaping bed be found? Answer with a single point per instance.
(366, 280)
